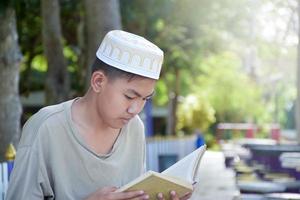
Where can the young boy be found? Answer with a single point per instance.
(87, 147)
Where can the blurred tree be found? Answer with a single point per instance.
(234, 96)
(297, 113)
(186, 31)
(57, 81)
(29, 24)
(83, 26)
(274, 57)
(10, 58)
(29, 30)
(101, 16)
(178, 48)
(195, 113)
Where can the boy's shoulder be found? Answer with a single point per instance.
(32, 127)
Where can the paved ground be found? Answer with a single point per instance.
(216, 182)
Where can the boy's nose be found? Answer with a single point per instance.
(136, 107)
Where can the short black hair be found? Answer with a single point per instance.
(111, 72)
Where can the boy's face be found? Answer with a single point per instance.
(121, 99)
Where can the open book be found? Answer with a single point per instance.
(180, 177)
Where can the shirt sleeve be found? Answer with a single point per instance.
(28, 180)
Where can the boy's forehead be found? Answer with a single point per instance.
(131, 53)
(142, 86)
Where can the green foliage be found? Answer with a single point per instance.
(35, 83)
(29, 24)
(4, 4)
(32, 79)
(211, 142)
(72, 59)
(39, 63)
(234, 96)
(73, 69)
(38, 69)
(195, 112)
(161, 94)
(194, 36)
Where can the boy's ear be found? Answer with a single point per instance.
(98, 79)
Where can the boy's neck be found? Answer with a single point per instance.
(97, 136)
(85, 115)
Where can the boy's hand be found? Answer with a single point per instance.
(174, 196)
(108, 193)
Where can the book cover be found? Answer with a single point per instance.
(179, 177)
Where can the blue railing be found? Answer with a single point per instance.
(5, 170)
(162, 152)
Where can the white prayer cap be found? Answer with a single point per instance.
(131, 53)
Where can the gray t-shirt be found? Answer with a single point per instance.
(53, 161)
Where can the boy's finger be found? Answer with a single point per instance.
(160, 196)
(174, 195)
(127, 195)
(186, 196)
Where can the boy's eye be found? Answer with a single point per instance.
(129, 97)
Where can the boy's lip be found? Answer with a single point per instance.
(126, 118)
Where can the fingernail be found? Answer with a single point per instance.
(173, 193)
(141, 192)
(160, 195)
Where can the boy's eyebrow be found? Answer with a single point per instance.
(138, 94)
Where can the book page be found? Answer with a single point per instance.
(153, 183)
(187, 167)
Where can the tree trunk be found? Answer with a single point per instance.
(101, 17)
(10, 57)
(297, 113)
(82, 56)
(172, 119)
(57, 81)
